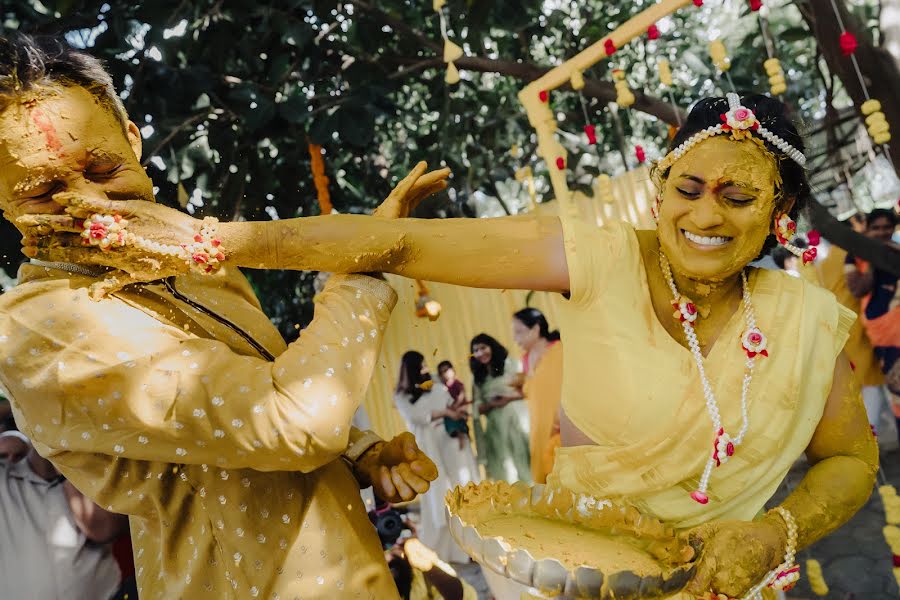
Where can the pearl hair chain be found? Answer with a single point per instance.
(739, 121)
(723, 445)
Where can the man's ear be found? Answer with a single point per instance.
(134, 139)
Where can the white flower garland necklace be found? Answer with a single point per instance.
(754, 344)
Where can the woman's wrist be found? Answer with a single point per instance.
(781, 538)
(235, 237)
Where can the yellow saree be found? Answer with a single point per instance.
(645, 410)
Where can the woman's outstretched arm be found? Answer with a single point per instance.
(510, 252)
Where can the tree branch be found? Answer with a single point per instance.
(527, 72)
(178, 129)
(880, 255)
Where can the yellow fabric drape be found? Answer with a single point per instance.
(468, 311)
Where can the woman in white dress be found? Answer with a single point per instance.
(424, 402)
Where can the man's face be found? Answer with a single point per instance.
(13, 449)
(63, 139)
(880, 229)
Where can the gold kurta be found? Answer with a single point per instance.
(225, 461)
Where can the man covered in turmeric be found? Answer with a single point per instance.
(177, 402)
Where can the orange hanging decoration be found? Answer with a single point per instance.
(319, 179)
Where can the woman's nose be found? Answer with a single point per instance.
(706, 212)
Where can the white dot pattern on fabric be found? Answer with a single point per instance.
(176, 421)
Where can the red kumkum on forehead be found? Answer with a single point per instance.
(43, 122)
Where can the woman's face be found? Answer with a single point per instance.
(717, 208)
(482, 353)
(424, 368)
(525, 336)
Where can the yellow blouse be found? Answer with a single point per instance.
(644, 406)
(224, 460)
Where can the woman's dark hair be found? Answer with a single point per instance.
(530, 317)
(411, 375)
(772, 114)
(498, 358)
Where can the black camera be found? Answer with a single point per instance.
(388, 522)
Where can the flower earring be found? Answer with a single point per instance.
(786, 228)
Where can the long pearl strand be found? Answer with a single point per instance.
(723, 444)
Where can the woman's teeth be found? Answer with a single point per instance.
(705, 241)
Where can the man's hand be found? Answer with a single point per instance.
(397, 470)
(414, 188)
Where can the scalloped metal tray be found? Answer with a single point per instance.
(550, 576)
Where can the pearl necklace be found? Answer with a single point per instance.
(754, 344)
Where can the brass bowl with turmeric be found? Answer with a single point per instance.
(568, 545)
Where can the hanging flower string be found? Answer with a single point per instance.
(777, 83)
(720, 59)
(452, 52)
(624, 95)
(876, 124)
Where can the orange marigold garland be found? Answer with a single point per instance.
(320, 179)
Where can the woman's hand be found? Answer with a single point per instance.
(414, 188)
(736, 555)
(57, 238)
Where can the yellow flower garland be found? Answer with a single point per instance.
(891, 531)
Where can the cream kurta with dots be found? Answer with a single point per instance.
(225, 461)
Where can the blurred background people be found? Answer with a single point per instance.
(830, 275)
(455, 428)
(880, 302)
(424, 403)
(56, 543)
(542, 364)
(502, 437)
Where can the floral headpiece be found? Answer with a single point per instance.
(740, 123)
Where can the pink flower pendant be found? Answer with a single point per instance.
(723, 447)
(685, 310)
(754, 342)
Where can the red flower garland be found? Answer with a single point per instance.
(640, 154)
(848, 43)
(591, 133)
